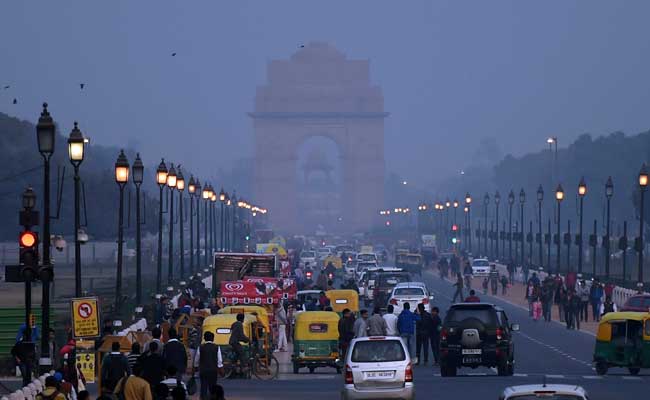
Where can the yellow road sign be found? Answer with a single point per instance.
(87, 360)
(85, 317)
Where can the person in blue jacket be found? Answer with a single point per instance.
(406, 326)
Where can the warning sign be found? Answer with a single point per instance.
(86, 359)
(85, 317)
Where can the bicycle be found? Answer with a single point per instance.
(264, 367)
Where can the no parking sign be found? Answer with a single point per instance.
(85, 317)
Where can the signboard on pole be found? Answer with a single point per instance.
(85, 317)
(86, 360)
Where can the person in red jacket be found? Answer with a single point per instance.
(472, 298)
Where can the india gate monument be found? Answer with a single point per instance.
(319, 142)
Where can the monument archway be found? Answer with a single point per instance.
(318, 92)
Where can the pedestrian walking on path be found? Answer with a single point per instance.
(360, 327)
(434, 336)
(174, 354)
(281, 319)
(406, 326)
(423, 329)
(133, 387)
(346, 330)
(115, 366)
(208, 361)
(391, 321)
(595, 298)
(459, 287)
(153, 366)
(376, 324)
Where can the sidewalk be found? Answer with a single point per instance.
(516, 295)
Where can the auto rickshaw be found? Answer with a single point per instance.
(315, 341)
(413, 263)
(220, 324)
(341, 299)
(623, 340)
(401, 258)
(263, 326)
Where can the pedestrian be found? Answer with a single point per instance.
(568, 310)
(133, 387)
(134, 355)
(560, 298)
(153, 366)
(406, 327)
(174, 354)
(23, 354)
(423, 329)
(511, 271)
(434, 335)
(504, 285)
(595, 298)
(281, 320)
(583, 293)
(51, 343)
(459, 288)
(575, 306)
(346, 330)
(485, 286)
(391, 321)
(115, 366)
(494, 280)
(156, 333)
(83, 395)
(547, 298)
(472, 298)
(376, 324)
(208, 361)
(530, 297)
(608, 306)
(537, 308)
(360, 327)
(51, 391)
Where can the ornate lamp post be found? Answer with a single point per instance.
(559, 196)
(205, 195)
(171, 184)
(138, 178)
(643, 184)
(76, 148)
(213, 227)
(180, 186)
(582, 191)
(522, 200)
(497, 201)
(161, 180)
(468, 204)
(191, 189)
(540, 198)
(486, 201)
(45, 136)
(198, 194)
(121, 177)
(222, 200)
(511, 201)
(454, 204)
(609, 192)
(226, 228)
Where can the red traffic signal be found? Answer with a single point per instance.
(28, 239)
(454, 227)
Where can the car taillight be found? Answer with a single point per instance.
(499, 333)
(425, 300)
(443, 334)
(349, 379)
(393, 302)
(408, 373)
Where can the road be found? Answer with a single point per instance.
(544, 351)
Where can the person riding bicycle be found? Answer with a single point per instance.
(237, 335)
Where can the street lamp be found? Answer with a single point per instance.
(559, 196)
(582, 191)
(468, 204)
(138, 178)
(76, 154)
(121, 178)
(161, 180)
(45, 136)
(609, 192)
(511, 202)
(486, 201)
(198, 196)
(643, 184)
(171, 184)
(540, 198)
(191, 189)
(222, 200)
(180, 186)
(226, 228)
(497, 201)
(205, 195)
(522, 200)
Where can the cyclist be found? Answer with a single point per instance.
(237, 335)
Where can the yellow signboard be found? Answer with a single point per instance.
(85, 317)
(86, 360)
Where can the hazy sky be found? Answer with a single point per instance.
(452, 71)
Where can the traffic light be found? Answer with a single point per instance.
(28, 256)
(454, 228)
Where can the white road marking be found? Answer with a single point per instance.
(520, 375)
(555, 376)
(631, 378)
(594, 377)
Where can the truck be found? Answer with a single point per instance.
(234, 266)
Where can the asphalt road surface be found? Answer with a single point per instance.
(543, 351)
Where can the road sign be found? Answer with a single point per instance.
(86, 360)
(85, 317)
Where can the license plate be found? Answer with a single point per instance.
(379, 374)
(472, 360)
(471, 351)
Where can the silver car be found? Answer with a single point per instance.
(378, 368)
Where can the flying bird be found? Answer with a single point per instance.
(15, 101)
(302, 46)
(7, 87)
(174, 54)
(81, 85)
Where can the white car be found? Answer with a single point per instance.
(323, 253)
(378, 368)
(308, 258)
(413, 293)
(361, 257)
(364, 266)
(350, 269)
(545, 391)
(480, 267)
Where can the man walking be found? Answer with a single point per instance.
(133, 387)
(208, 361)
(434, 335)
(391, 321)
(346, 330)
(423, 329)
(406, 326)
(174, 354)
(360, 327)
(281, 318)
(595, 297)
(115, 366)
(376, 324)
(459, 288)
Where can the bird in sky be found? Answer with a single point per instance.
(15, 101)
(174, 54)
(6, 87)
(81, 85)
(302, 46)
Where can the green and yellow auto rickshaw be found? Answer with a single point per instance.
(340, 299)
(315, 341)
(623, 340)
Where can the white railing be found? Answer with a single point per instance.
(30, 391)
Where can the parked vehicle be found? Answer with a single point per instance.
(413, 293)
(378, 367)
(623, 340)
(544, 391)
(477, 334)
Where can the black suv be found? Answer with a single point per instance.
(477, 334)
